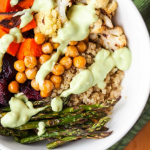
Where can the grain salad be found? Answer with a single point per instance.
(62, 63)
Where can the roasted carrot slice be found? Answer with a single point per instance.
(2, 32)
(30, 26)
(25, 3)
(29, 48)
(6, 15)
(7, 22)
(13, 48)
(5, 6)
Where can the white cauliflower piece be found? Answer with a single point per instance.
(48, 22)
(112, 39)
(99, 3)
(62, 7)
(93, 37)
(97, 27)
(106, 21)
(111, 7)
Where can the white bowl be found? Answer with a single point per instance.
(136, 86)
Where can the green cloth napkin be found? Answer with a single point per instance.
(144, 8)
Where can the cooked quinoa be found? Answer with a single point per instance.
(94, 95)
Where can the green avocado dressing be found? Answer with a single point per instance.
(57, 104)
(105, 61)
(47, 67)
(14, 2)
(41, 5)
(38, 5)
(13, 36)
(26, 17)
(80, 83)
(41, 128)
(20, 112)
(75, 29)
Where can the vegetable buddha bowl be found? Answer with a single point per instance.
(71, 71)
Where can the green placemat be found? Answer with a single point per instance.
(144, 8)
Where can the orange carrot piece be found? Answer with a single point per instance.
(30, 26)
(29, 48)
(25, 3)
(4, 15)
(20, 54)
(2, 32)
(5, 6)
(36, 49)
(13, 48)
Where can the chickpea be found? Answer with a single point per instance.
(19, 65)
(58, 69)
(30, 61)
(48, 77)
(31, 73)
(73, 42)
(47, 48)
(39, 38)
(47, 86)
(44, 58)
(35, 85)
(71, 51)
(21, 77)
(86, 40)
(43, 94)
(81, 46)
(55, 45)
(56, 79)
(13, 87)
(66, 62)
(51, 41)
(79, 62)
(57, 85)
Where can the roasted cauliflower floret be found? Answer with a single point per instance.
(111, 7)
(103, 22)
(48, 22)
(62, 7)
(99, 3)
(106, 21)
(96, 27)
(113, 39)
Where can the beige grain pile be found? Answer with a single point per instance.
(94, 95)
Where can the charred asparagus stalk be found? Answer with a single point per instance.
(54, 122)
(10, 132)
(99, 125)
(54, 115)
(106, 104)
(72, 138)
(67, 132)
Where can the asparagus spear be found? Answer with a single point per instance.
(99, 125)
(47, 101)
(10, 132)
(55, 114)
(54, 122)
(72, 138)
(67, 132)
(83, 125)
(106, 104)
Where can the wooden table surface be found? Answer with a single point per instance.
(141, 140)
